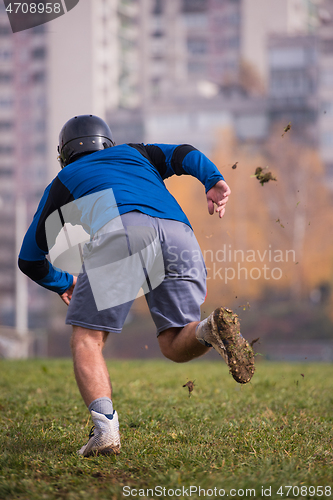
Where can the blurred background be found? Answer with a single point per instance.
(249, 83)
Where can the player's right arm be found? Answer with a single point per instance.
(32, 258)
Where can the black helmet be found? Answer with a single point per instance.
(81, 135)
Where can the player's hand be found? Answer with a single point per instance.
(218, 195)
(66, 296)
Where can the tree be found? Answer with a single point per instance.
(275, 239)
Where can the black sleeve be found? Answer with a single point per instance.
(35, 270)
(154, 155)
(178, 156)
(59, 195)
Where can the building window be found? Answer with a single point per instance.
(226, 21)
(155, 87)
(291, 83)
(234, 19)
(39, 53)
(4, 125)
(37, 30)
(194, 5)
(6, 150)
(6, 171)
(157, 7)
(5, 54)
(233, 42)
(228, 43)
(195, 67)
(6, 102)
(197, 46)
(38, 77)
(195, 20)
(6, 77)
(293, 57)
(4, 30)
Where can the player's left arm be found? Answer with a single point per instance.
(218, 195)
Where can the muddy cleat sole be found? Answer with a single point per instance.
(104, 437)
(222, 331)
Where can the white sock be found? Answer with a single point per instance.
(102, 405)
(201, 331)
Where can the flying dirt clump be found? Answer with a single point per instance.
(254, 341)
(286, 129)
(263, 176)
(190, 386)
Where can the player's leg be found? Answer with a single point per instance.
(175, 308)
(103, 295)
(90, 325)
(181, 344)
(220, 330)
(94, 384)
(91, 374)
(175, 303)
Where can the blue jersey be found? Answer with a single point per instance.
(133, 173)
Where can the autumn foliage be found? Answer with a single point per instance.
(275, 239)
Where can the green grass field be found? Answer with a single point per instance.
(269, 439)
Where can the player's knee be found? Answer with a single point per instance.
(83, 338)
(166, 344)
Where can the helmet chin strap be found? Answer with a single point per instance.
(59, 158)
(60, 161)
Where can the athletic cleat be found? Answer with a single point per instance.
(221, 331)
(104, 437)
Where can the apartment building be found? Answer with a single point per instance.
(189, 41)
(264, 18)
(301, 82)
(325, 84)
(23, 168)
(293, 82)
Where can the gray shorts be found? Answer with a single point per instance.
(136, 254)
